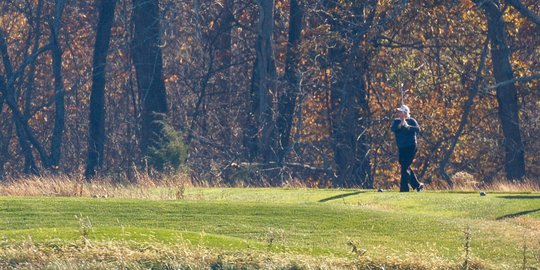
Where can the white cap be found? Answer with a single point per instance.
(404, 108)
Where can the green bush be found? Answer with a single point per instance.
(169, 153)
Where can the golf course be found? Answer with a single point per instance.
(273, 228)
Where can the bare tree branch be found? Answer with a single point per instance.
(473, 92)
(518, 79)
(525, 11)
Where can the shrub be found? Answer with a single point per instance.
(169, 153)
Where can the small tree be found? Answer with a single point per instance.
(169, 152)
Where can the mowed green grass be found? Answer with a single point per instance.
(312, 222)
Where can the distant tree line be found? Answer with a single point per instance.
(264, 92)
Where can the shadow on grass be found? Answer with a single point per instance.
(520, 197)
(340, 196)
(518, 214)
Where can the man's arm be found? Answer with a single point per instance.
(395, 126)
(413, 125)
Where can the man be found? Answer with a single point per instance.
(405, 128)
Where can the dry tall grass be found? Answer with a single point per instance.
(86, 254)
(464, 181)
(144, 186)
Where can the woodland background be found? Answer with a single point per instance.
(245, 92)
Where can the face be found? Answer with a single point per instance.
(401, 114)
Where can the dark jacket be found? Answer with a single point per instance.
(405, 136)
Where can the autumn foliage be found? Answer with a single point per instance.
(430, 49)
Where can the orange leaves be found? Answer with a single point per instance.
(314, 124)
(466, 4)
(172, 78)
(328, 72)
(15, 24)
(245, 16)
(40, 116)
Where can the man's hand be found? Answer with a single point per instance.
(404, 123)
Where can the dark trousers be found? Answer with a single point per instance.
(406, 157)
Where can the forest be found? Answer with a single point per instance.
(269, 92)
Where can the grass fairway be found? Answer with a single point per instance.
(260, 228)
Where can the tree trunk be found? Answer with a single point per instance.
(287, 101)
(350, 116)
(260, 125)
(223, 61)
(349, 111)
(5, 138)
(10, 98)
(29, 162)
(4, 142)
(514, 162)
(59, 114)
(32, 69)
(148, 66)
(96, 130)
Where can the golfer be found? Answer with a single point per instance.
(405, 128)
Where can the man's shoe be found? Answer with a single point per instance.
(420, 187)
